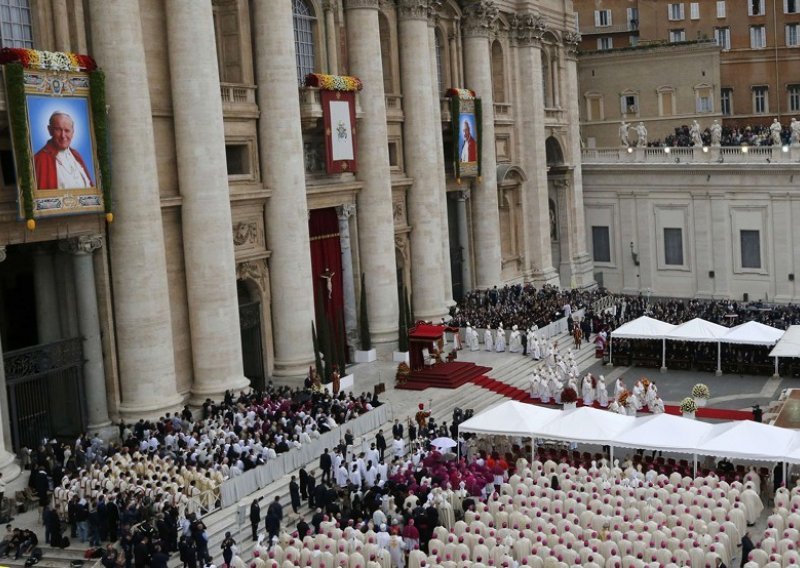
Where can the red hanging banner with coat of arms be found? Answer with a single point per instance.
(338, 100)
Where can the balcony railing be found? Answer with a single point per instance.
(764, 155)
(631, 26)
(237, 93)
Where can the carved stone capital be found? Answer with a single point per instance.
(255, 270)
(2, 253)
(245, 232)
(571, 41)
(480, 17)
(85, 244)
(528, 27)
(462, 195)
(412, 9)
(358, 4)
(345, 211)
(433, 10)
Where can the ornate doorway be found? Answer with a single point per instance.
(252, 337)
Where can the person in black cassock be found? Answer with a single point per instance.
(294, 494)
(255, 517)
(747, 547)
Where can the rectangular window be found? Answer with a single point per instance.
(760, 105)
(666, 103)
(628, 104)
(720, 8)
(15, 28)
(602, 18)
(595, 108)
(676, 36)
(237, 156)
(601, 244)
(633, 19)
(751, 248)
(726, 101)
(673, 247)
(694, 10)
(792, 35)
(758, 37)
(675, 11)
(755, 7)
(790, 6)
(604, 43)
(723, 37)
(704, 101)
(794, 98)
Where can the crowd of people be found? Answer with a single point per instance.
(163, 475)
(757, 135)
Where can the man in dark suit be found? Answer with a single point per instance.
(380, 443)
(325, 464)
(397, 429)
(255, 517)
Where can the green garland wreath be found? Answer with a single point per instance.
(15, 98)
(97, 91)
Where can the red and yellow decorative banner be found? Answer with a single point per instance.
(324, 82)
(338, 99)
(57, 113)
(466, 119)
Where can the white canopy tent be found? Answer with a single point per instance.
(789, 343)
(511, 418)
(665, 432)
(586, 424)
(754, 333)
(700, 330)
(746, 439)
(643, 327)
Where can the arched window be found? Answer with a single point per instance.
(15, 17)
(498, 73)
(439, 48)
(304, 22)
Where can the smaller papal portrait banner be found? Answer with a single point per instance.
(465, 110)
(56, 108)
(338, 100)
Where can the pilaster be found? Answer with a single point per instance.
(8, 466)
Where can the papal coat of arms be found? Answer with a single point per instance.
(342, 130)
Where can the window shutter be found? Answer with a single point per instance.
(608, 18)
(682, 14)
(749, 7)
(597, 19)
(622, 108)
(720, 8)
(695, 10)
(785, 6)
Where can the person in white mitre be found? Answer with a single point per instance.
(602, 392)
(535, 345)
(619, 386)
(471, 337)
(587, 389)
(57, 165)
(500, 340)
(488, 340)
(515, 341)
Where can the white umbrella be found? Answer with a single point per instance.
(444, 443)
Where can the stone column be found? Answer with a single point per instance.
(463, 239)
(139, 266)
(454, 70)
(283, 171)
(437, 119)
(94, 376)
(344, 213)
(424, 201)
(528, 30)
(61, 25)
(329, 7)
(479, 19)
(375, 221)
(581, 262)
(8, 466)
(44, 284)
(205, 210)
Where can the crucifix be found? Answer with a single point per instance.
(328, 276)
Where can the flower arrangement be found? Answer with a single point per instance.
(569, 395)
(49, 60)
(688, 405)
(403, 372)
(333, 82)
(623, 398)
(464, 94)
(700, 391)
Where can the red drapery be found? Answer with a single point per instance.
(326, 258)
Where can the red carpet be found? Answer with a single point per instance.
(515, 393)
(444, 376)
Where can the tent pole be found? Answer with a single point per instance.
(776, 375)
(533, 451)
(719, 359)
(610, 351)
(785, 481)
(663, 355)
(611, 455)
(695, 465)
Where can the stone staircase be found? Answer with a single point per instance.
(513, 371)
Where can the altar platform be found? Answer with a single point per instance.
(444, 376)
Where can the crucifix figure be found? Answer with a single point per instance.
(328, 276)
